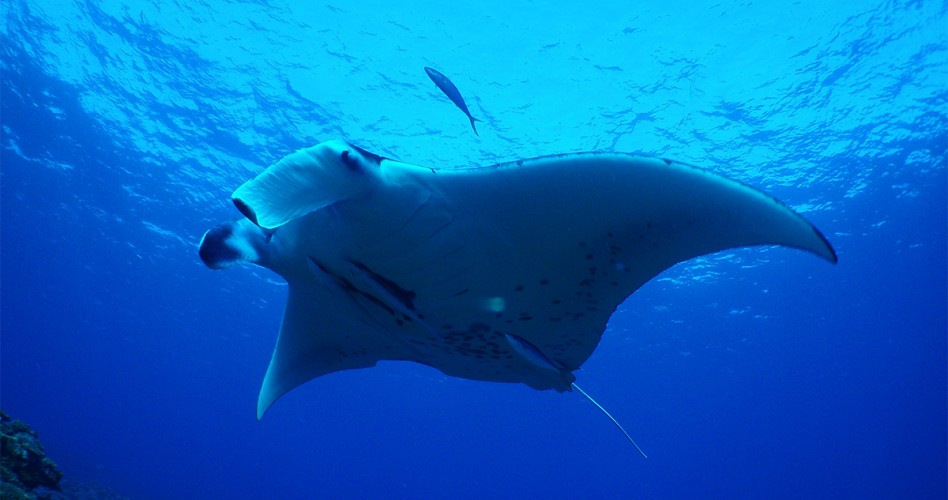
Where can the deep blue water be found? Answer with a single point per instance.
(761, 372)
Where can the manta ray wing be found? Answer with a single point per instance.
(565, 239)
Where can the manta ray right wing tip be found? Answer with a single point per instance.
(830, 254)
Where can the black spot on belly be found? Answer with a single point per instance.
(518, 288)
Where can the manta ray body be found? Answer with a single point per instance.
(503, 273)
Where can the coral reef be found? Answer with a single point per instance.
(23, 463)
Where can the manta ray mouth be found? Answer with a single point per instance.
(233, 243)
(214, 251)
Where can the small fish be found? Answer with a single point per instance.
(452, 92)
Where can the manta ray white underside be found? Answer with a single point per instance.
(504, 273)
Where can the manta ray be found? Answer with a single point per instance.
(501, 273)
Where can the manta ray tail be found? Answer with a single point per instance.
(593, 401)
(535, 357)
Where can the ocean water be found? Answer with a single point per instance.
(755, 373)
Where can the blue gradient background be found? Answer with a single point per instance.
(755, 373)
